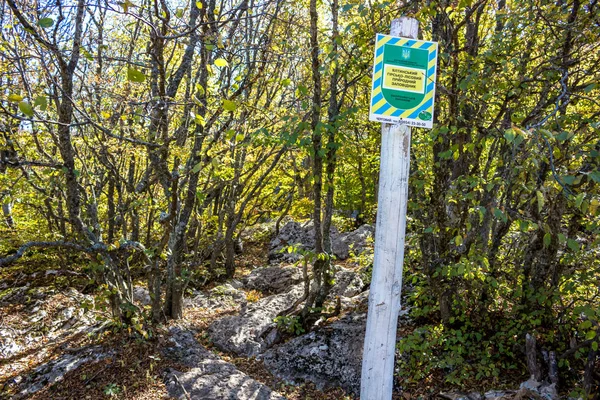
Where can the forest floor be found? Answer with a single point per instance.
(46, 314)
(38, 294)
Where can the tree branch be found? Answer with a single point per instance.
(69, 245)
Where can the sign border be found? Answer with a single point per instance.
(432, 48)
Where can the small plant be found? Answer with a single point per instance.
(289, 324)
(253, 296)
(220, 290)
(112, 389)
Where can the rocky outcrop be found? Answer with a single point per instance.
(55, 371)
(292, 234)
(329, 356)
(302, 237)
(209, 378)
(141, 295)
(530, 389)
(250, 332)
(360, 239)
(222, 296)
(272, 280)
(347, 284)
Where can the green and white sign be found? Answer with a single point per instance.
(403, 81)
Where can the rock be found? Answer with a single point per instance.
(292, 234)
(531, 384)
(543, 389)
(67, 313)
(360, 239)
(273, 279)
(141, 295)
(499, 394)
(222, 296)
(185, 348)
(210, 377)
(461, 396)
(358, 303)
(55, 371)
(38, 316)
(329, 356)
(248, 333)
(217, 380)
(8, 343)
(339, 247)
(347, 284)
(236, 284)
(301, 236)
(549, 392)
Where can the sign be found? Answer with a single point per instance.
(403, 81)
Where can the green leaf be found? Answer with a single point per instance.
(46, 22)
(87, 55)
(590, 334)
(286, 82)
(573, 244)
(509, 135)
(179, 13)
(561, 137)
(547, 239)
(540, 200)
(197, 168)
(579, 200)
(445, 155)
(135, 76)
(229, 105)
(221, 62)
(41, 102)
(26, 108)
(199, 119)
(126, 4)
(590, 87)
(595, 176)
(15, 98)
(595, 346)
(199, 5)
(523, 225)
(500, 215)
(568, 179)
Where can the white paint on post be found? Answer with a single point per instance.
(386, 282)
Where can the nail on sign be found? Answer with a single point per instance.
(404, 75)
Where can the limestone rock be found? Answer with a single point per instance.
(358, 239)
(222, 296)
(499, 395)
(210, 377)
(247, 334)
(55, 371)
(292, 234)
(329, 356)
(461, 396)
(273, 279)
(302, 236)
(347, 284)
(141, 295)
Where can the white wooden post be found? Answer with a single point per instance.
(386, 282)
